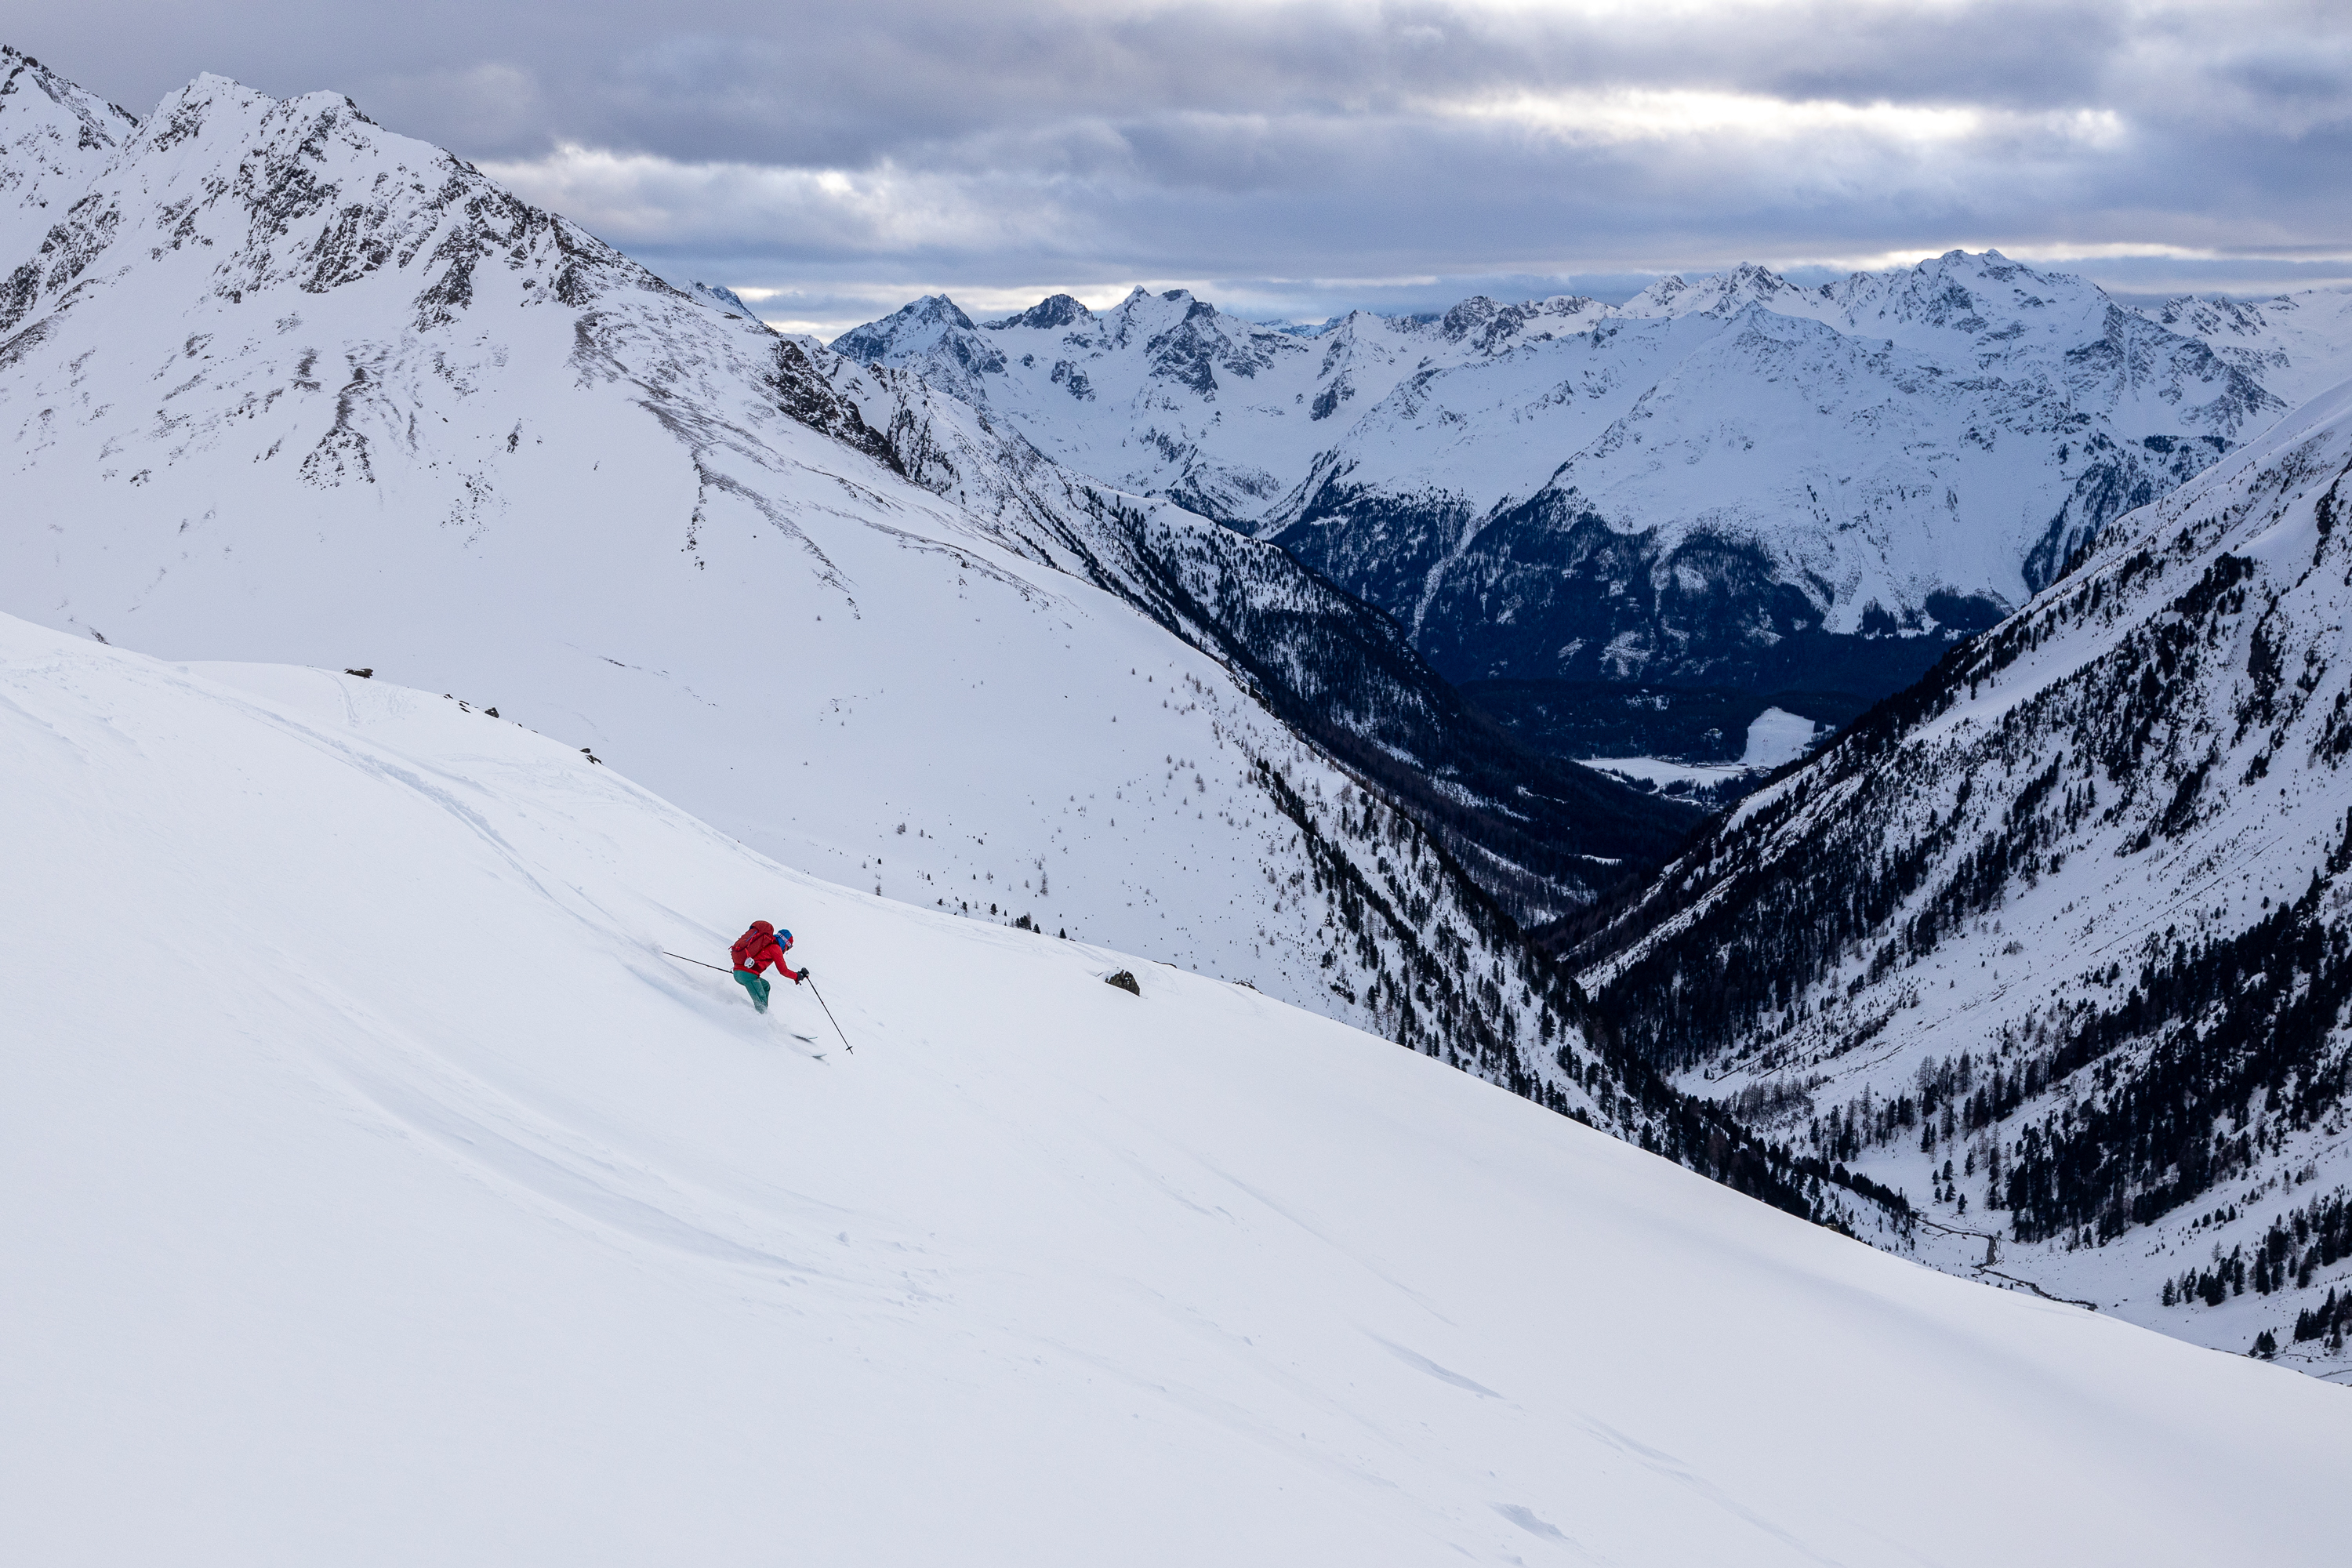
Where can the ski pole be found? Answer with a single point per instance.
(830, 1018)
(683, 959)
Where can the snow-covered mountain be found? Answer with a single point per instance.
(55, 139)
(1780, 500)
(378, 1193)
(286, 386)
(2297, 346)
(1166, 394)
(1728, 481)
(726, 301)
(1163, 394)
(2058, 944)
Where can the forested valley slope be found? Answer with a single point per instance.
(2057, 945)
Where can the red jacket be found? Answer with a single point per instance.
(758, 948)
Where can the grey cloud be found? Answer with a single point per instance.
(834, 84)
(1084, 144)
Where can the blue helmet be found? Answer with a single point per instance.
(784, 939)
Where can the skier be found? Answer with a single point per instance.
(755, 949)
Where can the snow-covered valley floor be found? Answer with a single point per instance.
(1775, 737)
(372, 1190)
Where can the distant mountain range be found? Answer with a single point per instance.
(1732, 482)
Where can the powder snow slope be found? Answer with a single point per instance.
(2056, 944)
(289, 386)
(376, 1193)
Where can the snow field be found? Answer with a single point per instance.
(376, 1192)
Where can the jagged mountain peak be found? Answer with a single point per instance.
(1657, 297)
(1052, 311)
(931, 334)
(942, 308)
(1470, 315)
(1973, 292)
(239, 193)
(55, 139)
(1718, 293)
(1489, 325)
(2004, 316)
(920, 320)
(725, 300)
(183, 110)
(1145, 312)
(22, 76)
(1980, 292)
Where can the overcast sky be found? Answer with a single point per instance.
(832, 161)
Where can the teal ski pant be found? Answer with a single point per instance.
(756, 986)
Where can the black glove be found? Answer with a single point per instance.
(804, 974)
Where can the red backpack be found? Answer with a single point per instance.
(752, 943)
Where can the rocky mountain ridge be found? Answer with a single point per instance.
(55, 138)
(2297, 346)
